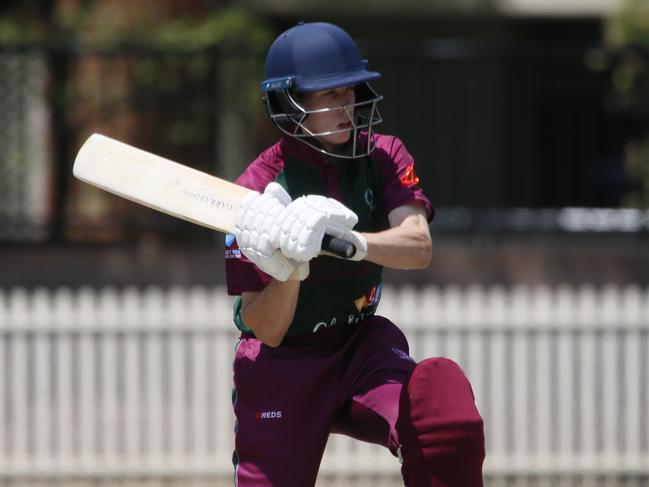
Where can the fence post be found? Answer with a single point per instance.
(108, 321)
(64, 321)
(4, 366)
(132, 407)
(153, 319)
(18, 404)
(177, 375)
(586, 316)
(42, 412)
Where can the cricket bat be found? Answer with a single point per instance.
(169, 187)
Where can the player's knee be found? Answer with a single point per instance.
(439, 425)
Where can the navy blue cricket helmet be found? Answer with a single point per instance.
(313, 57)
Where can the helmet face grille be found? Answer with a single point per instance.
(313, 57)
(289, 116)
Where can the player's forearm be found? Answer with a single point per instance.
(402, 247)
(270, 312)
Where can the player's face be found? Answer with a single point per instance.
(332, 120)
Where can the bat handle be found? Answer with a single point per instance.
(338, 246)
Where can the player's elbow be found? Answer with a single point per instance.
(424, 253)
(425, 260)
(269, 336)
(428, 252)
(421, 252)
(422, 261)
(271, 341)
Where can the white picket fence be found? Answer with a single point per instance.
(132, 383)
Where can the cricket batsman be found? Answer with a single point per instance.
(313, 357)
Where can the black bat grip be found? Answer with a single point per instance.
(338, 246)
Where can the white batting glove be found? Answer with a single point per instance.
(304, 222)
(255, 230)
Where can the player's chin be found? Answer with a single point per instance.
(339, 138)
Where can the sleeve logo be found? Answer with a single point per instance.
(409, 177)
(231, 249)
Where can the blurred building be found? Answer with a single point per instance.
(505, 106)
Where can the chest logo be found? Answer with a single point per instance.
(369, 198)
(367, 300)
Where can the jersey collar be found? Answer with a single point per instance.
(303, 152)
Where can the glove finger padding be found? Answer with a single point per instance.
(242, 219)
(303, 224)
(276, 190)
(300, 231)
(340, 219)
(256, 233)
(255, 219)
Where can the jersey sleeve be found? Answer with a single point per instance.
(241, 275)
(401, 185)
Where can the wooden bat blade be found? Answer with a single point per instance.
(158, 183)
(169, 187)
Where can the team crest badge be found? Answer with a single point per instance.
(369, 198)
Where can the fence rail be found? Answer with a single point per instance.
(136, 383)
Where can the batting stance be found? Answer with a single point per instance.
(313, 358)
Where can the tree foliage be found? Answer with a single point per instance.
(628, 36)
(94, 24)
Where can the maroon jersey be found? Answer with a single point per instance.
(337, 292)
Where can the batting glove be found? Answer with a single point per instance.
(304, 222)
(256, 230)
